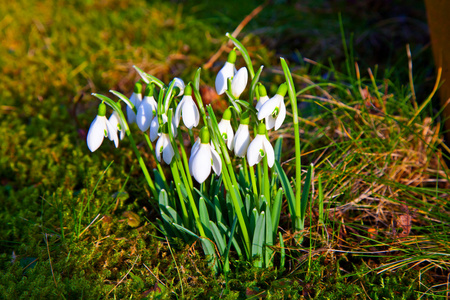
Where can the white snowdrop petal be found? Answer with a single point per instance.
(154, 127)
(191, 116)
(281, 115)
(268, 149)
(168, 152)
(180, 84)
(226, 72)
(159, 147)
(253, 154)
(178, 111)
(217, 163)
(112, 133)
(145, 115)
(241, 141)
(267, 108)
(96, 133)
(201, 165)
(261, 101)
(270, 122)
(239, 82)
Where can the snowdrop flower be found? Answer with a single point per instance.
(274, 109)
(203, 158)
(179, 83)
(259, 148)
(239, 82)
(147, 109)
(226, 72)
(164, 147)
(188, 109)
(262, 96)
(99, 129)
(136, 99)
(154, 127)
(117, 123)
(242, 137)
(226, 130)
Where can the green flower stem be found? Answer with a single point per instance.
(298, 171)
(201, 108)
(179, 165)
(158, 164)
(242, 219)
(142, 164)
(246, 175)
(176, 178)
(254, 187)
(229, 177)
(191, 136)
(185, 162)
(266, 181)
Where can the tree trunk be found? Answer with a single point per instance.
(438, 13)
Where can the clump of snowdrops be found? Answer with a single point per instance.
(228, 192)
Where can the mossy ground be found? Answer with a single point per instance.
(65, 233)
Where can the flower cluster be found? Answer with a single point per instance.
(172, 116)
(151, 116)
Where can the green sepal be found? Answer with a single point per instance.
(101, 109)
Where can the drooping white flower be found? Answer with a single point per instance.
(274, 110)
(164, 148)
(239, 82)
(179, 83)
(188, 110)
(136, 99)
(99, 129)
(227, 71)
(226, 130)
(262, 96)
(147, 109)
(242, 137)
(117, 123)
(259, 148)
(203, 158)
(154, 127)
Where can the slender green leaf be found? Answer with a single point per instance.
(305, 193)
(124, 99)
(220, 240)
(287, 190)
(254, 83)
(197, 79)
(268, 252)
(244, 53)
(258, 241)
(149, 78)
(276, 209)
(277, 149)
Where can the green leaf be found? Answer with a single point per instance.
(218, 210)
(283, 250)
(305, 192)
(254, 83)
(258, 241)
(163, 198)
(197, 79)
(124, 99)
(269, 239)
(244, 53)
(220, 240)
(149, 78)
(204, 218)
(277, 149)
(276, 209)
(287, 190)
(107, 100)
